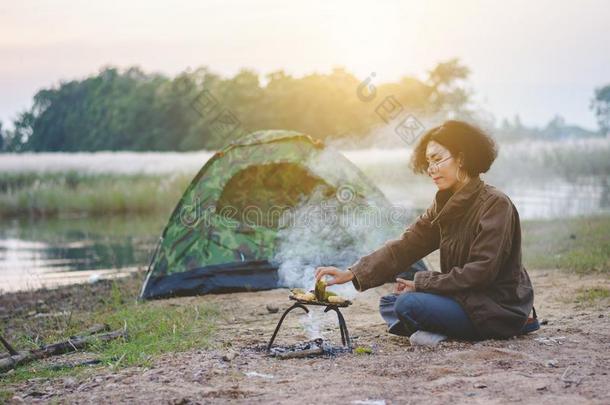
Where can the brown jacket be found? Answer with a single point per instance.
(479, 235)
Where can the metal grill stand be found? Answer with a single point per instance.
(303, 305)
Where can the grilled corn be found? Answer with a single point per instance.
(336, 299)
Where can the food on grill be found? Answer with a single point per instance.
(320, 290)
(326, 296)
(318, 295)
(336, 299)
(297, 291)
(305, 297)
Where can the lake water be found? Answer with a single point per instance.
(40, 253)
(37, 253)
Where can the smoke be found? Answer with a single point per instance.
(332, 230)
(312, 324)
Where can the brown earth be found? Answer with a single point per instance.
(567, 361)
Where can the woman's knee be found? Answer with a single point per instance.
(387, 302)
(408, 304)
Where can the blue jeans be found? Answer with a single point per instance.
(408, 312)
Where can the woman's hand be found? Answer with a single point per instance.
(338, 276)
(403, 286)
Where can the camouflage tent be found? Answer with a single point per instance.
(222, 235)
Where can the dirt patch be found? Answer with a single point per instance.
(567, 361)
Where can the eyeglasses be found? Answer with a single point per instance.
(433, 167)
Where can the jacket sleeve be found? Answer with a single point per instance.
(488, 251)
(383, 264)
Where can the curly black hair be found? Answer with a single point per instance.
(477, 148)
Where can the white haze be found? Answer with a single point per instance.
(105, 162)
(317, 238)
(322, 233)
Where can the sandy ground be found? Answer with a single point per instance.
(567, 361)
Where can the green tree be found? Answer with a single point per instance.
(446, 92)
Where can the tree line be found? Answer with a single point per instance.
(129, 109)
(133, 110)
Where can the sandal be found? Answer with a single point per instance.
(532, 323)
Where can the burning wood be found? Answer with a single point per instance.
(316, 347)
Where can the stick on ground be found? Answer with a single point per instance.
(8, 347)
(71, 345)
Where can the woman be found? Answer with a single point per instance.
(483, 290)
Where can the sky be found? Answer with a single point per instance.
(532, 58)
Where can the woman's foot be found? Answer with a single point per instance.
(398, 328)
(425, 338)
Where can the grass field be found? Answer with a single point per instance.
(153, 328)
(581, 244)
(71, 193)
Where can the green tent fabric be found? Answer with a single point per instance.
(223, 233)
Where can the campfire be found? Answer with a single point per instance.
(315, 347)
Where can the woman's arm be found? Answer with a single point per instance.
(383, 264)
(488, 251)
